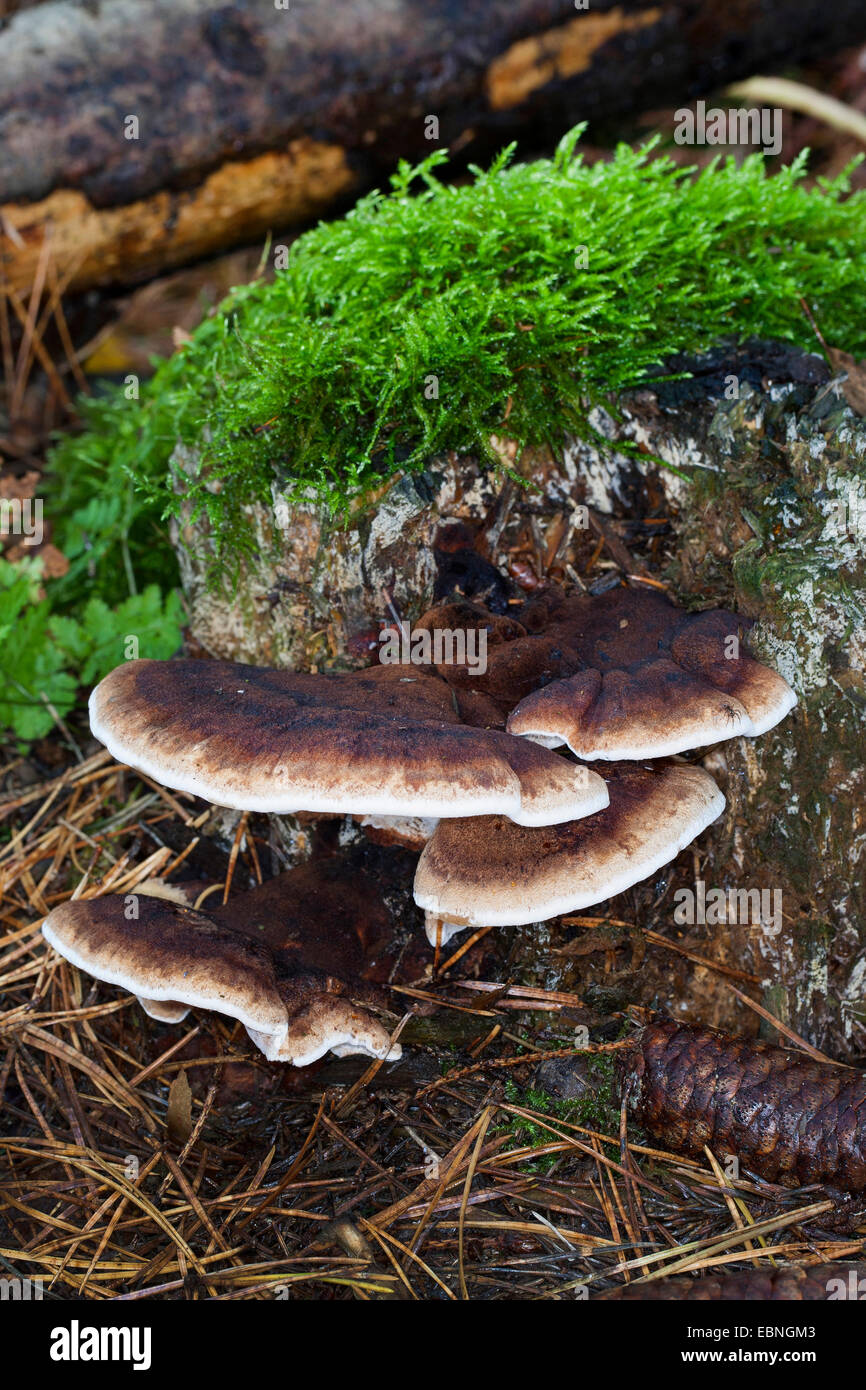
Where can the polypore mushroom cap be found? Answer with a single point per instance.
(650, 680)
(320, 1022)
(168, 953)
(384, 741)
(489, 872)
(173, 957)
(620, 675)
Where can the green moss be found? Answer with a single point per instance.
(597, 1108)
(322, 381)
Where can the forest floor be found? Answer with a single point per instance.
(145, 1160)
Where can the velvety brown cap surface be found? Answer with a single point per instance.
(168, 952)
(489, 872)
(624, 674)
(294, 995)
(386, 741)
(319, 1021)
(649, 679)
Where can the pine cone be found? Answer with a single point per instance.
(786, 1118)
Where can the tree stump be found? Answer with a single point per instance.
(757, 465)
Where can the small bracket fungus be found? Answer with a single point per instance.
(386, 741)
(625, 674)
(173, 958)
(489, 872)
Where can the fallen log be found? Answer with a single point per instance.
(239, 201)
(136, 132)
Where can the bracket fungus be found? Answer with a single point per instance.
(488, 872)
(374, 742)
(625, 674)
(517, 832)
(250, 959)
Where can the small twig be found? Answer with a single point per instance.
(796, 96)
(785, 1030)
(501, 1062)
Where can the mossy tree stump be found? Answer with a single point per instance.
(759, 466)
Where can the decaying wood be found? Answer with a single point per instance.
(783, 1116)
(240, 200)
(214, 87)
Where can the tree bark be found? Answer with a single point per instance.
(329, 99)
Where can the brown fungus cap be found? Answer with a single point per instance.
(624, 674)
(655, 680)
(386, 741)
(173, 957)
(489, 872)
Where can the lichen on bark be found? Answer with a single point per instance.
(795, 478)
(773, 524)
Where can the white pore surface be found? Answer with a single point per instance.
(341, 1041)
